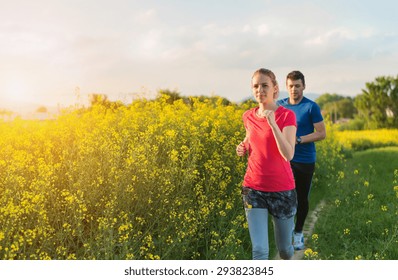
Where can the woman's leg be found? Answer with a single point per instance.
(283, 237)
(257, 219)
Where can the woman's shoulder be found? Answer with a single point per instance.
(286, 113)
(284, 110)
(249, 112)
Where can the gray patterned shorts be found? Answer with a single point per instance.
(281, 205)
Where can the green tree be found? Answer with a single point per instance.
(5, 114)
(335, 106)
(171, 95)
(42, 109)
(327, 98)
(249, 103)
(98, 98)
(378, 103)
(214, 99)
(346, 108)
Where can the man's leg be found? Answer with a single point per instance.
(303, 178)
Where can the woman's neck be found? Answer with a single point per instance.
(268, 106)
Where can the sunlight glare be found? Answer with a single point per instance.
(16, 90)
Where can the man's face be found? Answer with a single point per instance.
(295, 88)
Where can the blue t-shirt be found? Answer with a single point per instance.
(307, 113)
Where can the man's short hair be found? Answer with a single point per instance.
(296, 75)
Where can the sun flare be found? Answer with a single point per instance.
(16, 91)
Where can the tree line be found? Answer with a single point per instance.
(376, 107)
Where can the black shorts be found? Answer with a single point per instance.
(281, 205)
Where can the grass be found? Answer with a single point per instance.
(360, 218)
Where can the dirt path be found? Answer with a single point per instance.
(308, 229)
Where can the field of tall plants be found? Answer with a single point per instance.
(151, 180)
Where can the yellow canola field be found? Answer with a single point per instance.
(364, 139)
(151, 180)
(146, 181)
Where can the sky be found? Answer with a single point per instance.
(60, 51)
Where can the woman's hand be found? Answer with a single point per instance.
(241, 149)
(270, 116)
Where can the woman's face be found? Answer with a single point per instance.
(263, 89)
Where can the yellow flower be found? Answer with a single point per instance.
(396, 190)
(308, 252)
(71, 257)
(174, 155)
(356, 171)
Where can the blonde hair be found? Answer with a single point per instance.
(268, 73)
(271, 75)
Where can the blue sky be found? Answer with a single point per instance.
(124, 48)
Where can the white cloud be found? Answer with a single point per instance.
(262, 29)
(118, 46)
(146, 17)
(330, 37)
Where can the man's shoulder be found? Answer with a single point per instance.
(313, 108)
(308, 102)
(283, 102)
